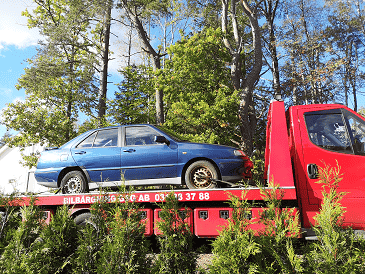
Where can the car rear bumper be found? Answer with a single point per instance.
(47, 178)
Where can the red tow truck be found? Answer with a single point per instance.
(298, 141)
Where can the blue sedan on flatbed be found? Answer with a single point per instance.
(138, 155)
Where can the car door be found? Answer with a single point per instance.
(143, 159)
(99, 155)
(335, 138)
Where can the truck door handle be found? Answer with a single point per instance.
(129, 150)
(312, 170)
(80, 152)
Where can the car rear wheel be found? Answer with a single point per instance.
(200, 174)
(73, 182)
(83, 219)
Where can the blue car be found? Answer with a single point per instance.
(138, 155)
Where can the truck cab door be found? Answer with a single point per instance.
(335, 138)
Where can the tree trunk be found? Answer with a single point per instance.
(246, 109)
(270, 13)
(104, 70)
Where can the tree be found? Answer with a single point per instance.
(104, 29)
(59, 81)
(309, 69)
(269, 9)
(200, 100)
(345, 34)
(133, 103)
(143, 14)
(5, 138)
(244, 75)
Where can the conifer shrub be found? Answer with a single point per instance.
(56, 245)
(9, 219)
(235, 247)
(176, 241)
(279, 240)
(113, 241)
(239, 249)
(91, 236)
(338, 249)
(19, 248)
(125, 249)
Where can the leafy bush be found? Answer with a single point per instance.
(176, 242)
(16, 253)
(55, 247)
(113, 239)
(239, 249)
(337, 250)
(125, 248)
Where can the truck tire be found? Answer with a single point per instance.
(199, 175)
(82, 219)
(73, 182)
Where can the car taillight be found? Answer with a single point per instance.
(248, 164)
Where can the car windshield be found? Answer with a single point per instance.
(176, 137)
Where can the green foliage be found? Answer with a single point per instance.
(337, 250)
(134, 102)
(59, 80)
(92, 237)
(15, 255)
(53, 251)
(235, 246)
(113, 241)
(176, 241)
(125, 248)
(239, 249)
(200, 101)
(9, 218)
(278, 239)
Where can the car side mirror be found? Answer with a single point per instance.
(161, 139)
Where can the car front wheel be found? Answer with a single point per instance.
(73, 182)
(200, 174)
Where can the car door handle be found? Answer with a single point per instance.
(80, 152)
(129, 150)
(312, 170)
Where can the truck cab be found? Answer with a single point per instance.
(328, 135)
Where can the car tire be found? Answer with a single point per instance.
(73, 182)
(82, 219)
(199, 174)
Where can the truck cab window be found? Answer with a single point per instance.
(329, 132)
(357, 130)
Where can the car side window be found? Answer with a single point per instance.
(138, 136)
(357, 130)
(101, 138)
(329, 132)
(88, 142)
(106, 138)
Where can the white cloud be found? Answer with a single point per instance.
(13, 28)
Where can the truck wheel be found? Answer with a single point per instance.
(199, 175)
(73, 182)
(82, 219)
